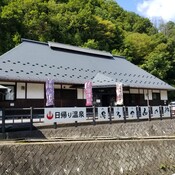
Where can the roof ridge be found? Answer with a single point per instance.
(33, 41)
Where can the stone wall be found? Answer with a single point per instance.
(130, 150)
(137, 157)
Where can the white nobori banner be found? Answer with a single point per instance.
(64, 115)
(119, 93)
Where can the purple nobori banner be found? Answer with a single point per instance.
(50, 92)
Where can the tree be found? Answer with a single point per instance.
(92, 44)
(158, 61)
(137, 46)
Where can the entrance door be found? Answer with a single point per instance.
(107, 100)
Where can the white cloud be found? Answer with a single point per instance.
(164, 9)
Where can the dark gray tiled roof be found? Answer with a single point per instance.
(103, 80)
(35, 61)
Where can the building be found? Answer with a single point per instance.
(25, 69)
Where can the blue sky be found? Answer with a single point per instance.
(130, 5)
(152, 9)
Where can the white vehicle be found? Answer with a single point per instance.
(172, 107)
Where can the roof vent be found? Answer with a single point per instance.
(76, 49)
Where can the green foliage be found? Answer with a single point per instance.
(163, 167)
(158, 61)
(137, 46)
(91, 43)
(96, 24)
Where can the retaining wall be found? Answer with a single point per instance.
(89, 158)
(98, 157)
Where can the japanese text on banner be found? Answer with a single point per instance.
(119, 93)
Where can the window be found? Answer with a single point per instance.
(66, 94)
(10, 93)
(7, 94)
(156, 96)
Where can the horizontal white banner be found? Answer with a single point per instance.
(144, 112)
(118, 113)
(64, 115)
(103, 114)
(166, 111)
(155, 112)
(132, 113)
(79, 114)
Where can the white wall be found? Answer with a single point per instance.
(80, 94)
(35, 91)
(134, 91)
(20, 89)
(8, 83)
(163, 95)
(57, 86)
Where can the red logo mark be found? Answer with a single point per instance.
(49, 115)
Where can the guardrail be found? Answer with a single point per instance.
(15, 119)
(23, 115)
(26, 117)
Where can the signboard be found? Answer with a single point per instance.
(50, 93)
(64, 115)
(144, 112)
(155, 112)
(88, 93)
(103, 114)
(132, 113)
(79, 114)
(119, 93)
(118, 113)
